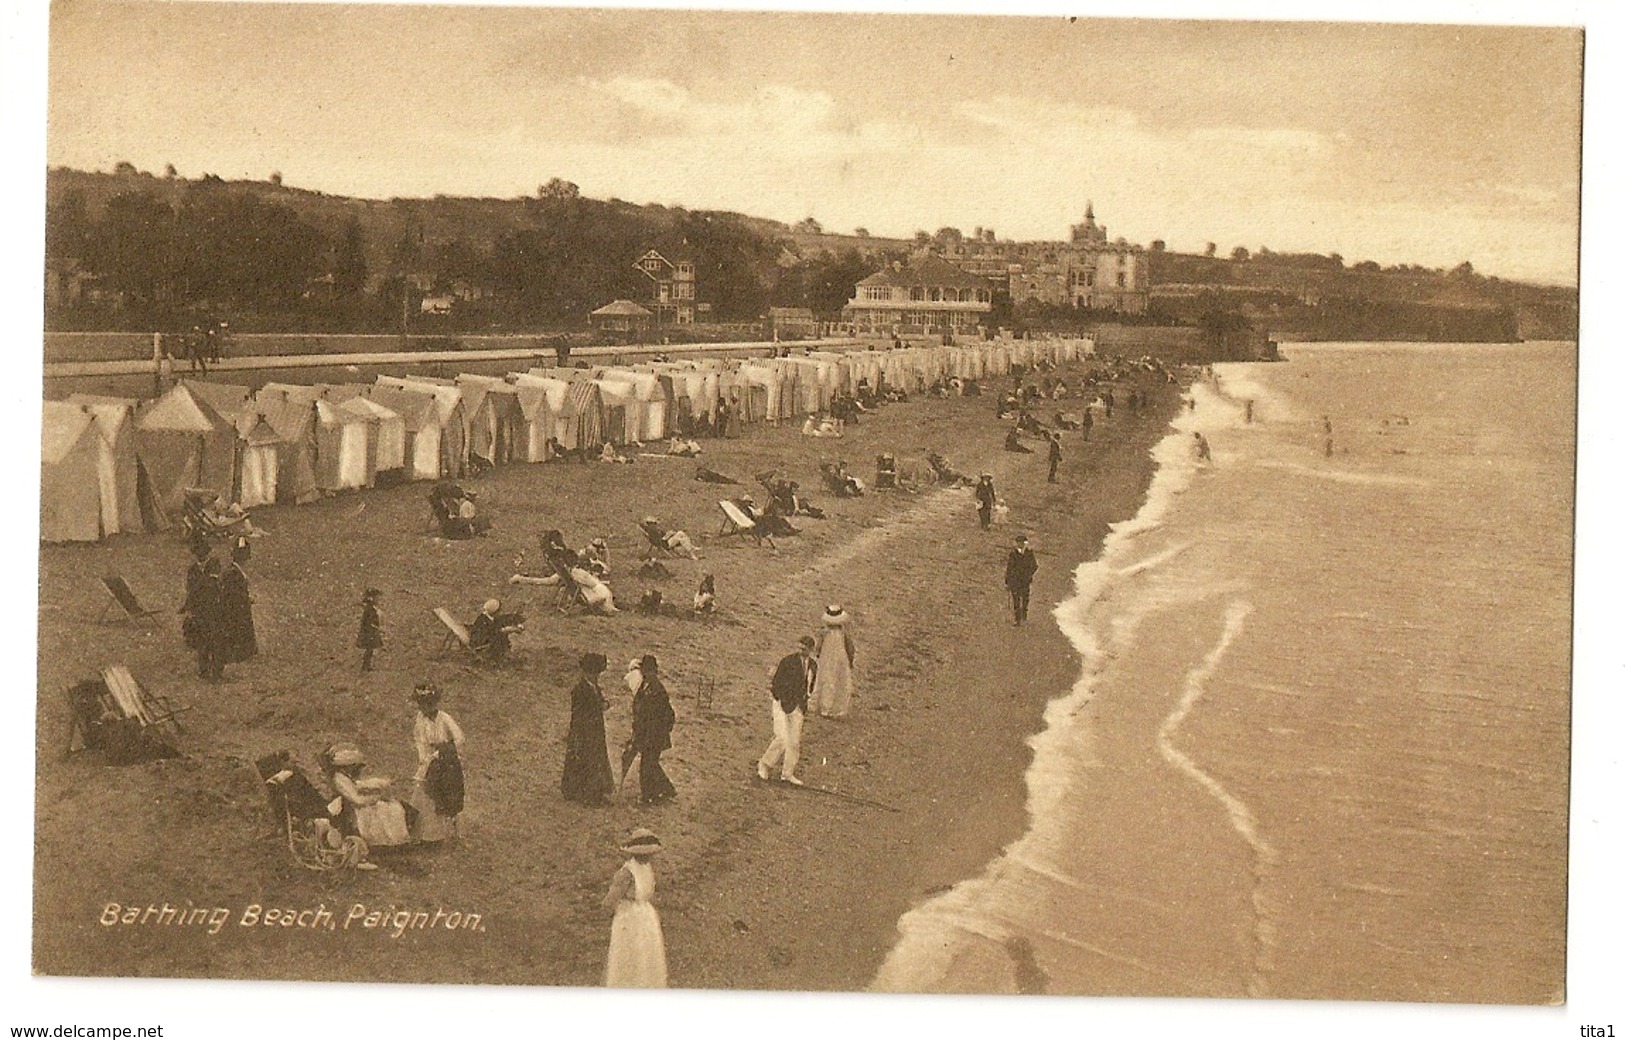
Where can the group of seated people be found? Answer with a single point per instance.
(822, 427)
(683, 447)
(456, 513)
(786, 496)
(946, 473)
(608, 453)
(576, 573)
(842, 483)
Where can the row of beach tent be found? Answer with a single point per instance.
(110, 464)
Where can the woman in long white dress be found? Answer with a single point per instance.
(438, 783)
(637, 949)
(832, 685)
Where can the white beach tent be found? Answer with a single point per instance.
(345, 442)
(258, 461)
(70, 504)
(453, 420)
(294, 420)
(117, 468)
(495, 420)
(389, 450)
(183, 442)
(420, 421)
(575, 404)
(652, 413)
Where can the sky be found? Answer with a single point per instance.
(1398, 143)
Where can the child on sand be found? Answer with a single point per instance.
(371, 635)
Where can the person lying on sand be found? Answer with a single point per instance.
(711, 476)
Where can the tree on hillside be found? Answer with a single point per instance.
(1211, 249)
(922, 238)
(1368, 267)
(124, 169)
(1158, 245)
(67, 226)
(809, 226)
(1240, 254)
(349, 267)
(134, 247)
(170, 172)
(558, 188)
(861, 232)
(949, 236)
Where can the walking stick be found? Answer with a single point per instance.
(845, 797)
(628, 753)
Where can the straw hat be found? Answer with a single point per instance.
(641, 842)
(425, 692)
(834, 615)
(491, 606)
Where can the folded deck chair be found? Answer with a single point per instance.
(456, 634)
(734, 521)
(124, 597)
(119, 717)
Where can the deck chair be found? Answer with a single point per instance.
(734, 521)
(304, 818)
(116, 715)
(123, 597)
(456, 634)
(656, 538)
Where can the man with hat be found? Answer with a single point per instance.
(792, 683)
(1019, 568)
(985, 498)
(488, 636)
(652, 722)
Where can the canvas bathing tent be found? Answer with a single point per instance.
(575, 406)
(496, 422)
(449, 410)
(293, 419)
(345, 454)
(70, 504)
(118, 471)
(183, 442)
(420, 422)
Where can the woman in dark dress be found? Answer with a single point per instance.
(652, 722)
(201, 626)
(587, 778)
(237, 642)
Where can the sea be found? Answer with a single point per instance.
(1320, 745)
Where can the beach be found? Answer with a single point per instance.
(760, 886)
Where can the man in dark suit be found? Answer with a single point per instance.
(792, 683)
(1019, 568)
(1054, 455)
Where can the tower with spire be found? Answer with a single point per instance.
(1089, 233)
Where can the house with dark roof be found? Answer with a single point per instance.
(673, 296)
(622, 316)
(926, 296)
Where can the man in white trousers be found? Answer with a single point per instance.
(792, 683)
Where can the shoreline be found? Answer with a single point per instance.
(761, 886)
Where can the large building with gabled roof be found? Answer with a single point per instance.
(927, 295)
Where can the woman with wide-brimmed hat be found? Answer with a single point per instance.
(587, 776)
(438, 741)
(637, 949)
(832, 687)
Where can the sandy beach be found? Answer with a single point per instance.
(761, 886)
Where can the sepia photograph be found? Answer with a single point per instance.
(1016, 504)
